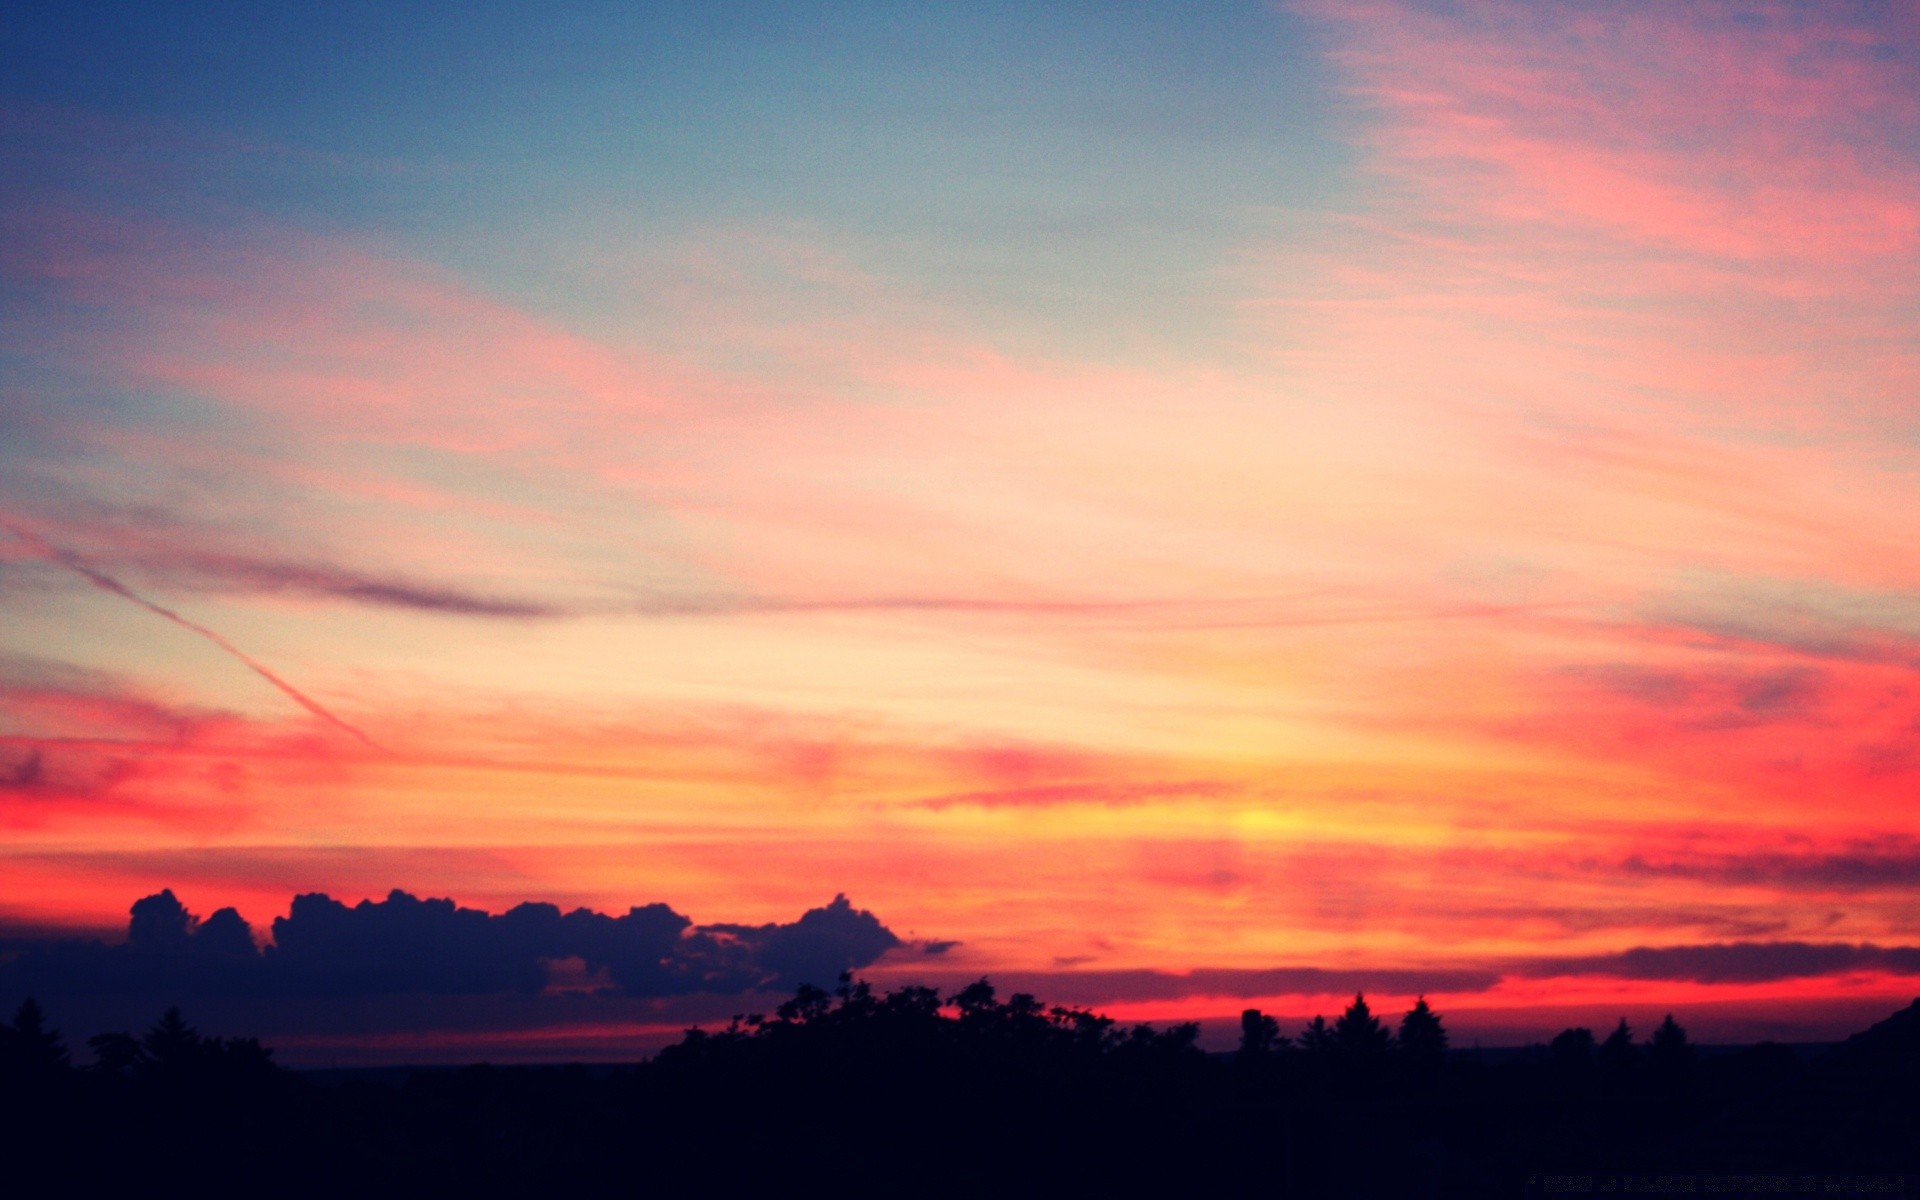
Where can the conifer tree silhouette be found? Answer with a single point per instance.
(1668, 1050)
(1422, 1037)
(1359, 1032)
(1617, 1054)
(1317, 1037)
(28, 1049)
(172, 1046)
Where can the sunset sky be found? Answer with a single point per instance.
(1196, 506)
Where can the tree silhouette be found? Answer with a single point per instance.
(1618, 1053)
(174, 1052)
(28, 1049)
(988, 1090)
(1359, 1033)
(115, 1053)
(809, 1003)
(1668, 1050)
(172, 1046)
(1318, 1037)
(1259, 1035)
(1572, 1047)
(1422, 1037)
(974, 1000)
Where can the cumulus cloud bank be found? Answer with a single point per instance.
(404, 945)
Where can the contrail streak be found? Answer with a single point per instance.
(108, 583)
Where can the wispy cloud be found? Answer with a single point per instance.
(339, 583)
(1526, 564)
(1888, 863)
(109, 584)
(1737, 962)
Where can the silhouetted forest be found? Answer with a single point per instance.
(854, 1091)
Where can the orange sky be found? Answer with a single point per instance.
(1500, 548)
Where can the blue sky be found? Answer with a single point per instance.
(1067, 163)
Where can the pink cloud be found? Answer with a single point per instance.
(77, 757)
(1734, 134)
(1429, 593)
(356, 343)
(1694, 218)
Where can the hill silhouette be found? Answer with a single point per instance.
(974, 1095)
(1895, 1040)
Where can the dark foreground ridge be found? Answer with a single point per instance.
(911, 1092)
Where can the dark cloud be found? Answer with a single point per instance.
(1734, 962)
(169, 560)
(1888, 863)
(816, 948)
(1722, 962)
(30, 770)
(1717, 699)
(1719, 962)
(1813, 637)
(1732, 922)
(39, 778)
(165, 562)
(1786, 692)
(1804, 617)
(329, 581)
(1110, 987)
(404, 945)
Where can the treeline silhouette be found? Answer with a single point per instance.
(972, 1095)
